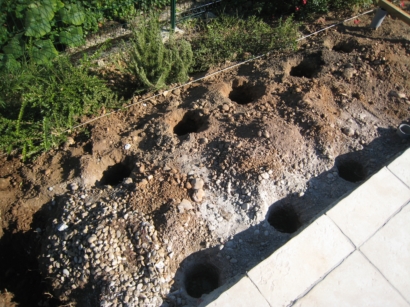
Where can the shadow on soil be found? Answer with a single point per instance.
(19, 268)
(284, 220)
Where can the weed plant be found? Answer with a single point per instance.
(38, 103)
(156, 63)
(232, 38)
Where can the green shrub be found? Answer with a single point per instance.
(154, 62)
(231, 38)
(38, 103)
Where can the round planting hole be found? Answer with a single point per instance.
(284, 219)
(345, 47)
(241, 95)
(115, 174)
(308, 67)
(190, 123)
(201, 279)
(351, 170)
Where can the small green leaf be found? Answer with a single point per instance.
(9, 62)
(72, 36)
(14, 47)
(37, 21)
(43, 51)
(73, 14)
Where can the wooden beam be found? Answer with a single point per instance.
(394, 11)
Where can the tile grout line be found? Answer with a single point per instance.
(388, 281)
(387, 166)
(330, 271)
(337, 226)
(246, 274)
(406, 203)
(320, 280)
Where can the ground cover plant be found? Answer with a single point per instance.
(38, 103)
(232, 38)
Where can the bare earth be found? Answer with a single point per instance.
(256, 153)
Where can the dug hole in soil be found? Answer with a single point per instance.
(168, 200)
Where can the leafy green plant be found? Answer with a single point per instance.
(38, 103)
(154, 62)
(231, 38)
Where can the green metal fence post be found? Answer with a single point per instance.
(173, 14)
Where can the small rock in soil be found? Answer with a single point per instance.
(198, 195)
(185, 205)
(197, 183)
(74, 187)
(348, 131)
(4, 184)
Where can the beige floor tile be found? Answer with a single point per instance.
(298, 265)
(401, 167)
(354, 283)
(389, 251)
(367, 208)
(242, 294)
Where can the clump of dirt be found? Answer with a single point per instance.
(217, 174)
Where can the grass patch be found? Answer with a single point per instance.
(231, 38)
(38, 103)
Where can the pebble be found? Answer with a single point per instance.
(266, 134)
(197, 183)
(198, 195)
(62, 227)
(185, 205)
(92, 239)
(73, 186)
(4, 184)
(348, 131)
(225, 107)
(265, 175)
(397, 94)
(348, 73)
(128, 181)
(66, 272)
(127, 146)
(143, 183)
(203, 141)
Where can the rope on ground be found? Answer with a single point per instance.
(205, 77)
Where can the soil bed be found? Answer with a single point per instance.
(172, 197)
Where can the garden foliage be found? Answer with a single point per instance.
(41, 27)
(38, 103)
(156, 63)
(232, 38)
